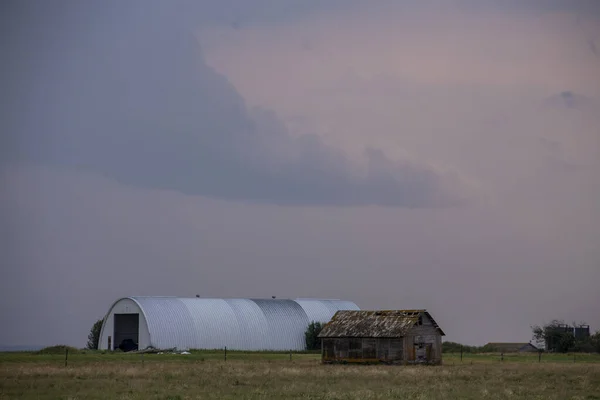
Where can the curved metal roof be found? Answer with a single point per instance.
(239, 324)
(319, 310)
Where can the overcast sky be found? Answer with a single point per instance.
(424, 154)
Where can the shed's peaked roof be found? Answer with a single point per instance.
(389, 323)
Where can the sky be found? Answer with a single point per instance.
(439, 154)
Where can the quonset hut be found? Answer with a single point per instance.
(204, 323)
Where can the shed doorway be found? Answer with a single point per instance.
(127, 331)
(422, 352)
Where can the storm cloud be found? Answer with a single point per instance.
(133, 99)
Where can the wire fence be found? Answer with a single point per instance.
(524, 357)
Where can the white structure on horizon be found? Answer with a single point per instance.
(205, 323)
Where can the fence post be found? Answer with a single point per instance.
(66, 355)
(461, 352)
(502, 356)
(540, 356)
(225, 353)
(290, 355)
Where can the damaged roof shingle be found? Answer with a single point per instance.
(382, 324)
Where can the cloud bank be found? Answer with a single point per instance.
(136, 101)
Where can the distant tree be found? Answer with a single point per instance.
(594, 343)
(312, 336)
(453, 347)
(488, 348)
(584, 346)
(94, 335)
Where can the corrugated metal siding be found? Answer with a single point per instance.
(216, 325)
(169, 322)
(254, 330)
(239, 324)
(322, 310)
(287, 323)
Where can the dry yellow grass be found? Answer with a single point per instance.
(304, 378)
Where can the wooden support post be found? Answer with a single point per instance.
(461, 352)
(225, 353)
(290, 355)
(66, 355)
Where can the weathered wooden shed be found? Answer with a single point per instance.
(390, 336)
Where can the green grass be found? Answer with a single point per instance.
(58, 349)
(83, 357)
(205, 375)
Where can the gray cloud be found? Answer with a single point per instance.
(134, 99)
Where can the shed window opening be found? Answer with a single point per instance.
(329, 348)
(355, 348)
(369, 348)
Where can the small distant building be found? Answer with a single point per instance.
(392, 337)
(555, 333)
(511, 347)
(581, 332)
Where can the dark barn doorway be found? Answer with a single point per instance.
(127, 331)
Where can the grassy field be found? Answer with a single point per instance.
(205, 375)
